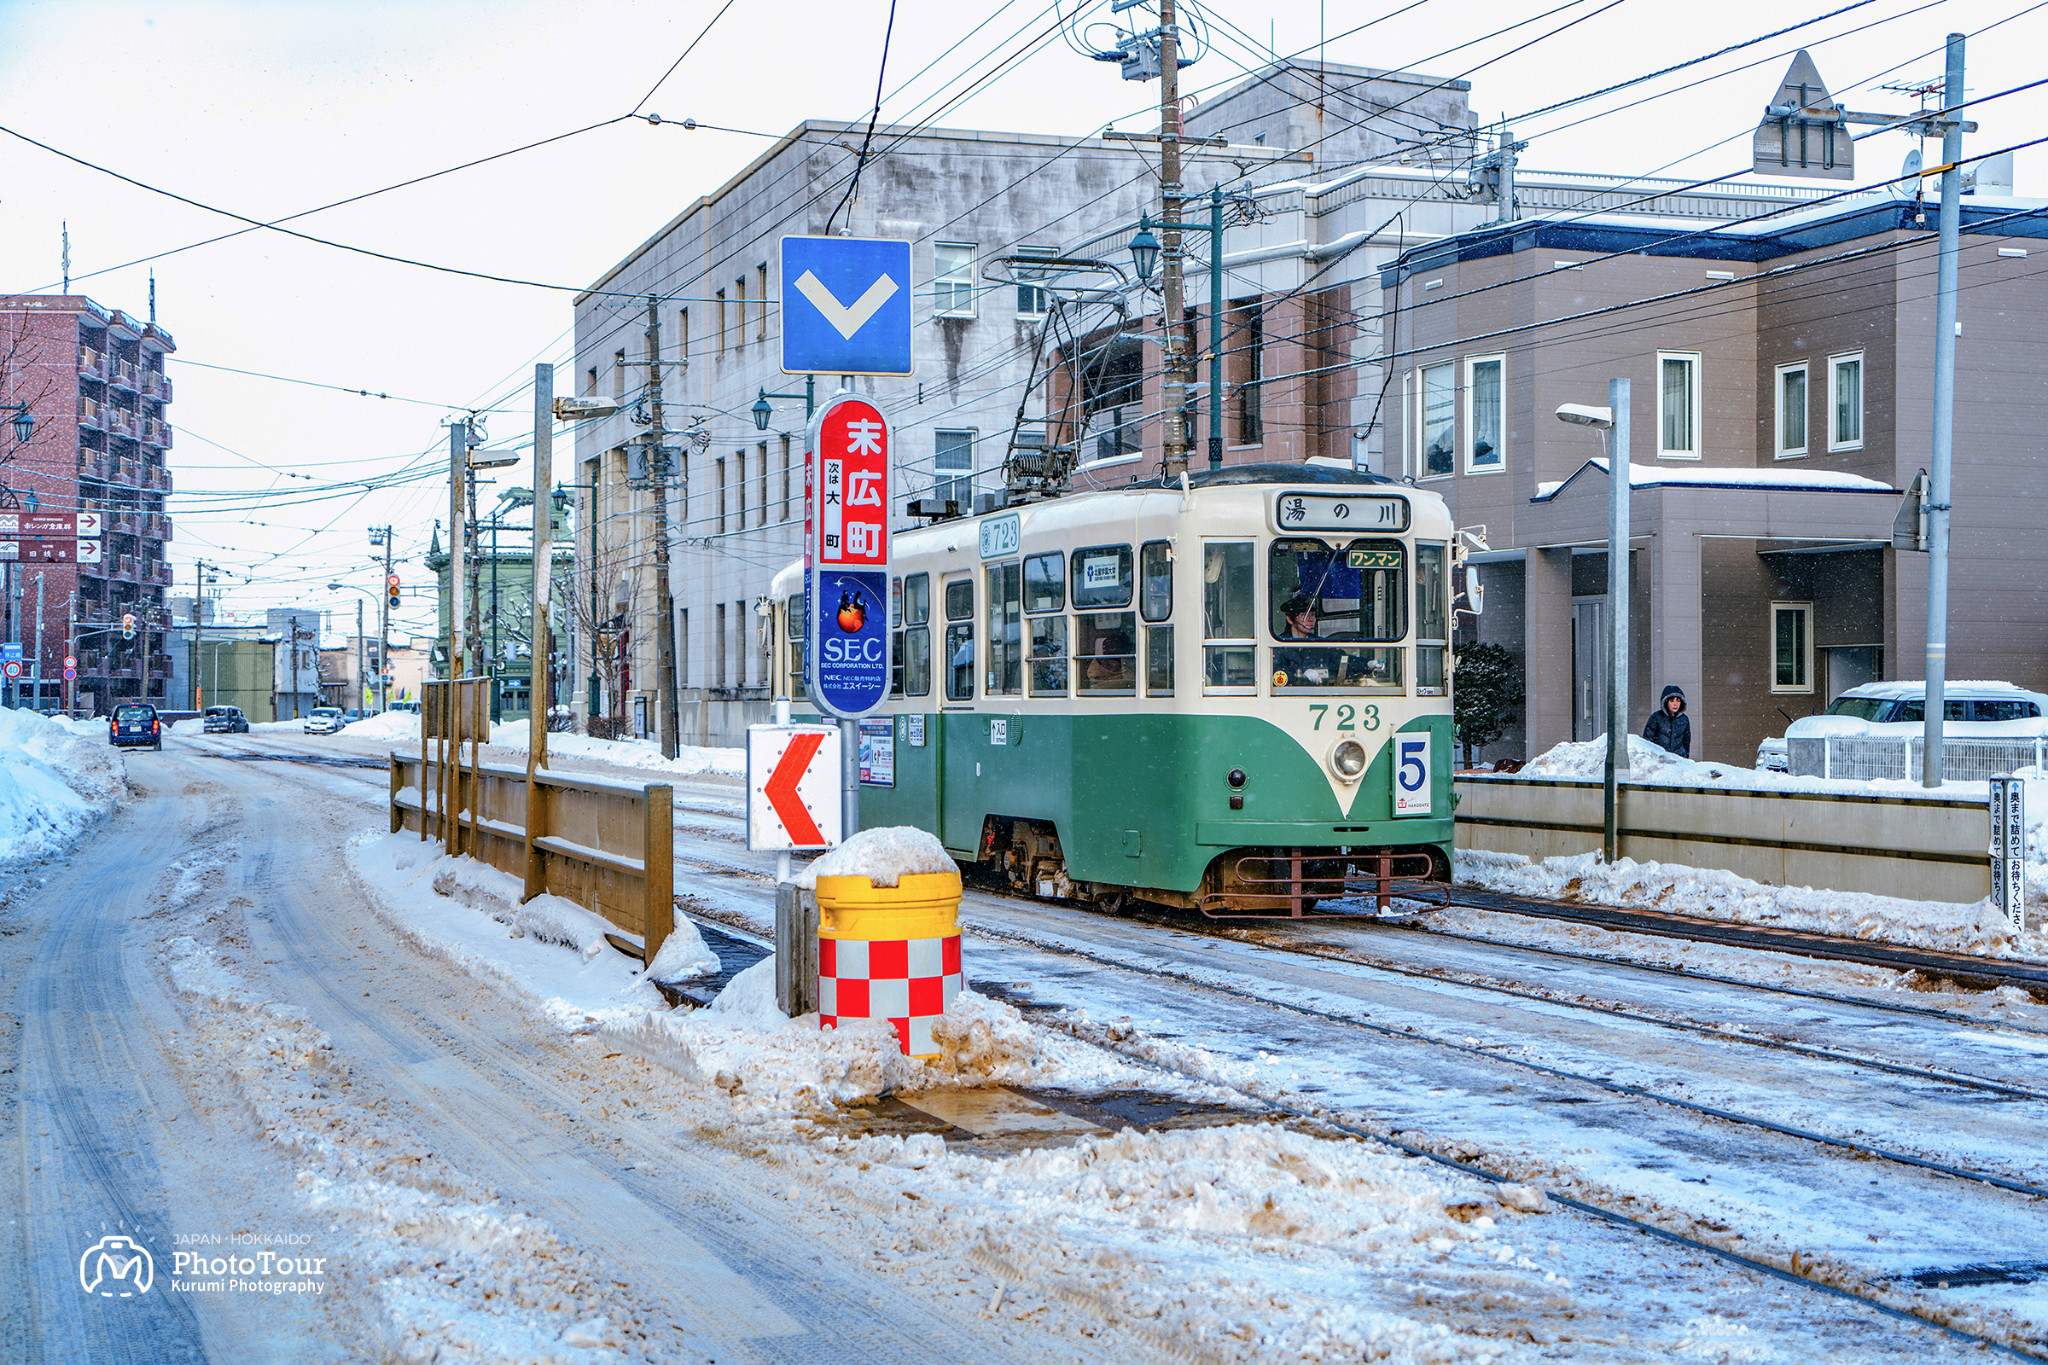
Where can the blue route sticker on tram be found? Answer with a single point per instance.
(849, 640)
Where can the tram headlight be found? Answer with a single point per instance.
(1347, 760)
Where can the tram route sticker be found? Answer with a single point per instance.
(1411, 774)
(913, 731)
(878, 751)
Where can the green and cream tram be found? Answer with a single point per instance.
(1230, 693)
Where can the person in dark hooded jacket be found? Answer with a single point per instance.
(1669, 728)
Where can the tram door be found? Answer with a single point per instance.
(962, 735)
(1589, 667)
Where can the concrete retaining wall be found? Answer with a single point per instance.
(1933, 850)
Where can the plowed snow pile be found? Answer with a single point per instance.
(56, 781)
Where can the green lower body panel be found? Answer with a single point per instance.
(1143, 800)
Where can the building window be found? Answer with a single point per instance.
(761, 503)
(1845, 402)
(1483, 413)
(618, 374)
(1436, 427)
(1251, 418)
(1791, 410)
(683, 649)
(718, 648)
(739, 488)
(720, 296)
(953, 280)
(739, 621)
(785, 478)
(953, 467)
(683, 336)
(1791, 646)
(590, 381)
(1678, 405)
(761, 301)
(1032, 301)
(721, 499)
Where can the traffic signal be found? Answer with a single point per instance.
(128, 625)
(391, 589)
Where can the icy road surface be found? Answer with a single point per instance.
(220, 1039)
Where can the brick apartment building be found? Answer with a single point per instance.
(94, 381)
(1781, 376)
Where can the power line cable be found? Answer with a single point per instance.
(867, 141)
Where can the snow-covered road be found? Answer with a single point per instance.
(492, 1185)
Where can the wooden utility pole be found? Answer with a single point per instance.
(1174, 378)
(668, 694)
(458, 477)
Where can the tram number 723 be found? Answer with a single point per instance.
(1349, 717)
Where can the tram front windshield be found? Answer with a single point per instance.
(1334, 609)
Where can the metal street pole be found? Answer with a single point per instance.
(1944, 416)
(1174, 379)
(71, 652)
(1618, 489)
(38, 664)
(362, 658)
(1215, 327)
(458, 472)
(668, 693)
(384, 631)
(497, 666)
(540, 630)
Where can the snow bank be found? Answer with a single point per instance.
(56, 781)
(390, 726)
(548, 951)
(683, 956)
(1649, 765)
(641, 754)
(881, 855)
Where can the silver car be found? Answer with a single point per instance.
(325, 720)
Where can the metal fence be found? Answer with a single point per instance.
(1864, 758)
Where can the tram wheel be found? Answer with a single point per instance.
(1114, 903)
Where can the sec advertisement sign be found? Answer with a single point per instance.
(846, 557)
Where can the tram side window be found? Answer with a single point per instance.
(793, 616)
(1045, 597)
(1329, 604)
(1229, 650)
(1005, 631)
(1155, 603)
(1432, 618)
(917, 635)
(1105, 653)
(1102, 577)
(960, 640)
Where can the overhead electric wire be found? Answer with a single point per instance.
(679, 60)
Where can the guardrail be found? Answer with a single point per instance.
(1914, 848)
(607, 846)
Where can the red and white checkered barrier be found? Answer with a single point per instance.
(909, 982)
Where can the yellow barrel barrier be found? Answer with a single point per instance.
(889, 952)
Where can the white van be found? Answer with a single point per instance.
(1897, 710)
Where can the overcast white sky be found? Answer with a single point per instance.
(272, 107)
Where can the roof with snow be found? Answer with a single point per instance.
(1724, 477)
(1749, 241)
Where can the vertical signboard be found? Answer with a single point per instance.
(846, 557)
(2009, 851)
(1411, 774)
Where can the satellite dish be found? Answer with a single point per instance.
(1913, 163)
(1906, 189)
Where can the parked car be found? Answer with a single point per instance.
(355, 714)
(409, 706)
(226, 720)
(1897, 711)
(325, 720)
(1774, 755)
(135, 725)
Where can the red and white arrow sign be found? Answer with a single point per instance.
(793, 786)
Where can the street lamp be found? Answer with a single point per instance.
(1612, 424)
(1145, 257)
(763, 413)
(30, 502)
(24, 421)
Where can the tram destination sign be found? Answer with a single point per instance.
(1339, 512)
(846, 557)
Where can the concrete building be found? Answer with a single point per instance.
(1782, 387)
(966, 200)
(94, 381)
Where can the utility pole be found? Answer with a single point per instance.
(540, 627)
(458, 477)
(1174, 378)
(39, 643)
(293, 646)
(473, 626)
(362, 659)
(669, 694)
(1944, 415)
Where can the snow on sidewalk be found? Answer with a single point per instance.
(57, 780)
